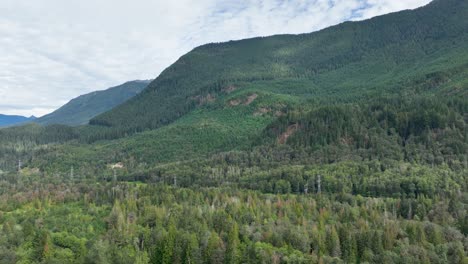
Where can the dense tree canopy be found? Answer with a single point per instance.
(349, 145)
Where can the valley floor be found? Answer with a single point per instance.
(306, 215)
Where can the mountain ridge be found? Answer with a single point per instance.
(341, 58)
(10, 120)
(81, 109)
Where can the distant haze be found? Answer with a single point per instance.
(53, 50)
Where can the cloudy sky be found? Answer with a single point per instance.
(54, 50)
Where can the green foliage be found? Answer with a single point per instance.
(108, 222)
(410, 52)
(348, 145)
(423, 130)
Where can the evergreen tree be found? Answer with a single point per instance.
(233, 244)
(333, 243)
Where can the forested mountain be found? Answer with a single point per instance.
(8, 120)
(410, 52)
(347, 145)
(81, 109)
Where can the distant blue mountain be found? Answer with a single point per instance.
(9, 120)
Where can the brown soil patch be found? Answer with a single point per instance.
(234, 102)
(208, 99)
(250, 99)
(247, 101)
(262, 111)
(279, 113)
(284, 137)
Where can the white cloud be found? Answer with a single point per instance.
(53, 50)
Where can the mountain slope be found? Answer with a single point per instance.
(81, 109)
(8, 120)
(322, 148)
(240, 95)
(410, 52)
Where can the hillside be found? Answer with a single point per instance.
(347, 145)
(347, 94)
(196, 108)
(8, 120)
(81, 109)
(423, 51)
